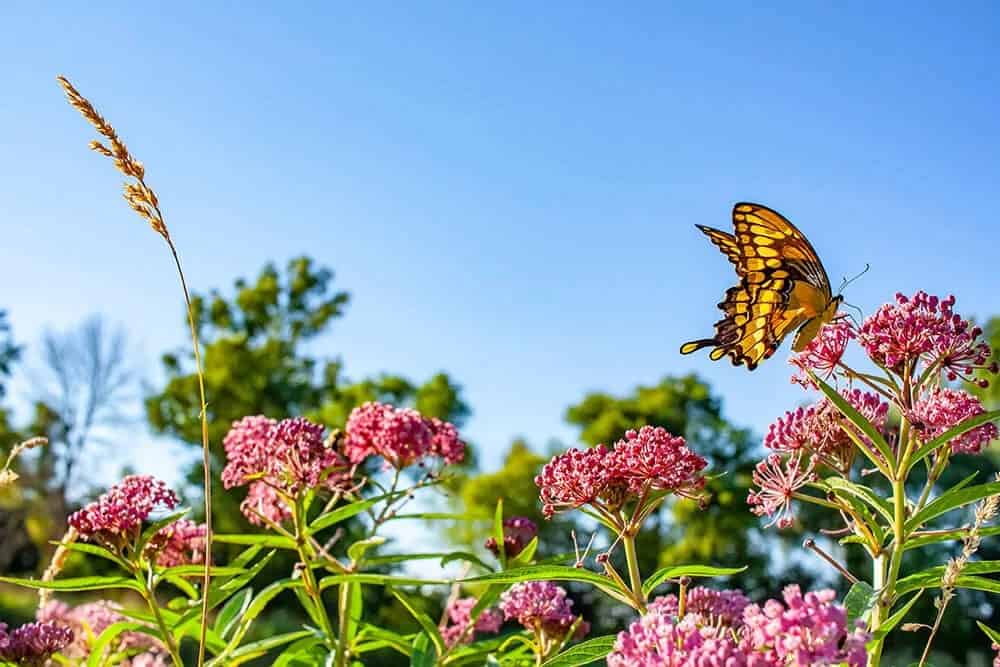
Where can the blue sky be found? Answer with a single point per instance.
(508, 192)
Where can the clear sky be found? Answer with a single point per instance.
(508, 192)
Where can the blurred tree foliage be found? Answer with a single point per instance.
(257, 361)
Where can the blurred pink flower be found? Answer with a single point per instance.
(459, 617)
(518, 531)
(180, 543)
(542, 606)
(942, 408)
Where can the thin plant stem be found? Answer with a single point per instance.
(635, 578)
(205, 454)
(168, 639)
(344, 621)
(308, 578)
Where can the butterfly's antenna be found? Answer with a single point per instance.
(851, 315)
(848, 282)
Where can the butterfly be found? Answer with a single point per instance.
(782, 287)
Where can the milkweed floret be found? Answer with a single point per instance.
(942, 408)
(33, 644)
(401, 436)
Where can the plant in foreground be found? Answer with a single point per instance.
(916, 346)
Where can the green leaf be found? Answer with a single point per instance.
(259, 603)
(354, 606)
(527, 553)
(345, 512)
(861, 492)
(431, 630)
(584, 653)
(859, 601)
(465, 556)
(76, 583)
(378, 580)
(157, 526)
(256, 649)
(110, 634)
(93, 550)
(953, 433)
(199, 570)
(917, 541)
(274, 541)
(950, 500)
(677, 571)
(498, 534)
(357, 550)
(552, 573)
(301, 653)
(990, 632)
(424, 654)
(888, 624)
(931, 578)
(438, 516)
(232, 611)
(858, 420)
(389, 638)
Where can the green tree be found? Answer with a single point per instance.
(257, 357)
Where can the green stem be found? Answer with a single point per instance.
(168, 638)
(344, 620)
(635, 578)
(884, 582)
(308, 577)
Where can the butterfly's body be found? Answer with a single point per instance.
(783, 287)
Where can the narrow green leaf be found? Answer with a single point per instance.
(378, 579)
(950, 500)
(261, 647)
(932, 579)
(357, 550)
(301, 653)
(859, 601)
(859, 421)
(953, 433)
(93, 550)
(439, 516)
(109, 634)
(918, 541)
(345, 512)
(677, 571)
(401, 643)
(888, 624)
(198, 570)
(159, 525)
(355, 603)
(76, 583)
(424, 654)
(498, 534)
(431, 630)
(584, 653)
(232, 611)
(866, 495)
(527, 553)
(274, 541)
(990, 632)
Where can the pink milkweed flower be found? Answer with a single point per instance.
(541, 606)
(712, 607)
(942, 408)
(401, 436)
(821, 428)
(122, 509)
(926, 328)
(87, 622)
(518, 531)
(33, 643)
(180, 543)
(657, 639)
(459, 618)
(579, 477)
(652, 458)
(777, 481)
(808, 629)
(279, 458)
(824, 352)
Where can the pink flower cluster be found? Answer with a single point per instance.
(518, 531)
(541, 606)
(712, 607)
(284, 456)
(940, 409)
(806, 631)
(33, 643)
(401, 436)
(924, 327)
(88, 621)
(180, 543)
(650, 458)
(824, 352)
(123, 508)
(459, 618)
(820, 429)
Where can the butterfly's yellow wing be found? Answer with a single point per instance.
(783, 287)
